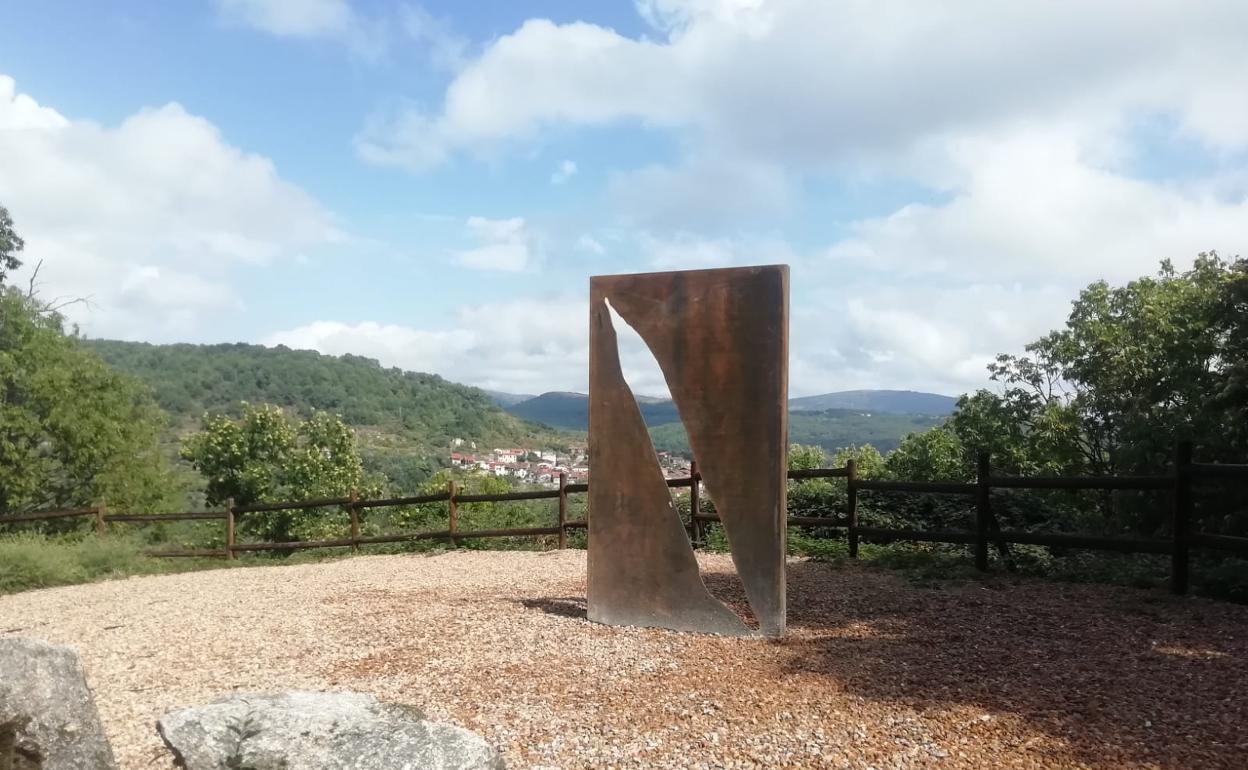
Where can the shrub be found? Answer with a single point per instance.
(29, 561)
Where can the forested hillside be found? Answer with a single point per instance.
(189, 380)
(832, 429)
(571, 410)
(829, 428)
(404, 420)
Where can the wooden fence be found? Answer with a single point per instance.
(1178, 483)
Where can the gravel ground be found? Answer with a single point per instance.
(875, 673)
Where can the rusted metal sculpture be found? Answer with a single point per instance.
(721, 339)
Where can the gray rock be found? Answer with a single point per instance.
(48, 719)
(318, 731)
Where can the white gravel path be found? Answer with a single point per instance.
(875, 674)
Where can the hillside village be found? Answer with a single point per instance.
(542, 466)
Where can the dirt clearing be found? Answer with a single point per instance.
(875, 673)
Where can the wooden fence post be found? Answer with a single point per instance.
(452, 511)
(354, 513)
(851, 486)
(230, 553)
(983, 511)
(1181, 526)
(563, 510)
(695, 503)
(99, 519)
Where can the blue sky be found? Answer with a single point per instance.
(432, 184)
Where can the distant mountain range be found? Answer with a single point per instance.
(831, 429)
(507, 399)
(405, 420)
(888, 401)
(571, 410)
(833, 420)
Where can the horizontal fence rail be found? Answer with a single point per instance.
(986, 531)
(396, 501)
(819, 473)
(1081, 482)
(1219, 471)
(190, 516)
(926, 487)
(48, 515)
(1122, 544)
(194, 554)
(319, 503)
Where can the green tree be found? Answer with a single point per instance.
(803, 458)
(1231, 397)
(870, 463)
(73, 432)
(933, 455)
(468, 483)
(1135, 368)
(10, 245)
(811, 497)
(480, 515)
(265, 457)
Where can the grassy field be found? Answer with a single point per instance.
(30, 561)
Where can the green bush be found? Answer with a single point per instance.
(29, 561)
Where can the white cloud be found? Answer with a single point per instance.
(595, 77)
(688, 251)
(293, 18)
(1031, 204)
(807, 82)
(146, 218)
(334, 20)
(918, 336)
(447, 49)
(506, 245)
(701, 192)
(20, 111)
(590, 245)
(522, 346)
(518, 346)
(565, 171)
(847, 336)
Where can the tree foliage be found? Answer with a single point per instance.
(73, 432)
(405, 420)
(265, 456)
(10, 245)
(433, 515)
(934, 455)
(804, 458)
(869, 461)
(1135, 368)
(189, 380)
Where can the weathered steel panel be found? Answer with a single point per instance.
(721, 339)
(642, 571)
